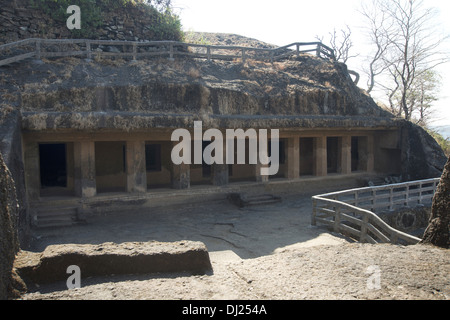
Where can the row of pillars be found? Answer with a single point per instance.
(85, 175)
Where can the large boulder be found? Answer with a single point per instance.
(422, 157)
(111, 258)
(438, 230)
(9, 243)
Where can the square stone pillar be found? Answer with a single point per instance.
(346, 155)
(84, 164)
(32, 170)
(293, 158)
(219, 174)
(258, 166)
(320, 156)
(259, 177)
(135, 164)
(180, 175)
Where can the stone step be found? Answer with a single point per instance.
(55, 216)
(252, 200)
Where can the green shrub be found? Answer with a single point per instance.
(443, 142)
(167, 25)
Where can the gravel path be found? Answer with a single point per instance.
(268, 252)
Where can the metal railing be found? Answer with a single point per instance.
(352, 212)
(48, 48)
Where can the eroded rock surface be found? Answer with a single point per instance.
(110, 258)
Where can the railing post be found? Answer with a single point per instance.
(365, 221)
(243, 55)
(171, 52)
(318, 50)
(298, 50)
(88, 50)
(391, 198)
(134, 51)
(407, 195)
(208, 53)
(374, 199)
(314, 213)
(337, 219)
(38, 49)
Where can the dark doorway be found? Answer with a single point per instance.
(332, 154)
(110, 166)
(53, 165)
(306, 156)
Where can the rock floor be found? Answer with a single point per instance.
(262, 252)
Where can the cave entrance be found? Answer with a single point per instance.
(110, 166)
(359, 153)
(53, 165)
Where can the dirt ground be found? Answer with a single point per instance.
(261, 252)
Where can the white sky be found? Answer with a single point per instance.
(281, 22)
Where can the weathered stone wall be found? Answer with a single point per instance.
(19, 20)
(9, 244)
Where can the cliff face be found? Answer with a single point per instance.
(302, 87)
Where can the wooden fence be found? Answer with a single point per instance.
(49, 48)
(352, 212)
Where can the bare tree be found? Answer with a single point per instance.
(407, 46)
(341, 44)
(377, 30)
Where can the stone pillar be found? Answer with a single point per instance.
(180, 175)
(32, 170)
(135, 164)
(84, 163)
(219, 174)
(346, 155)
(258, 166)
(293, 158)
(320, 156)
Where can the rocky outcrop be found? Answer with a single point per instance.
(9, 243)
(113, 259)
(438, 230)
(422, 157)
(304, 92)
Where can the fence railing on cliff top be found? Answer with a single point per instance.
(49, 48)
(352, 212)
